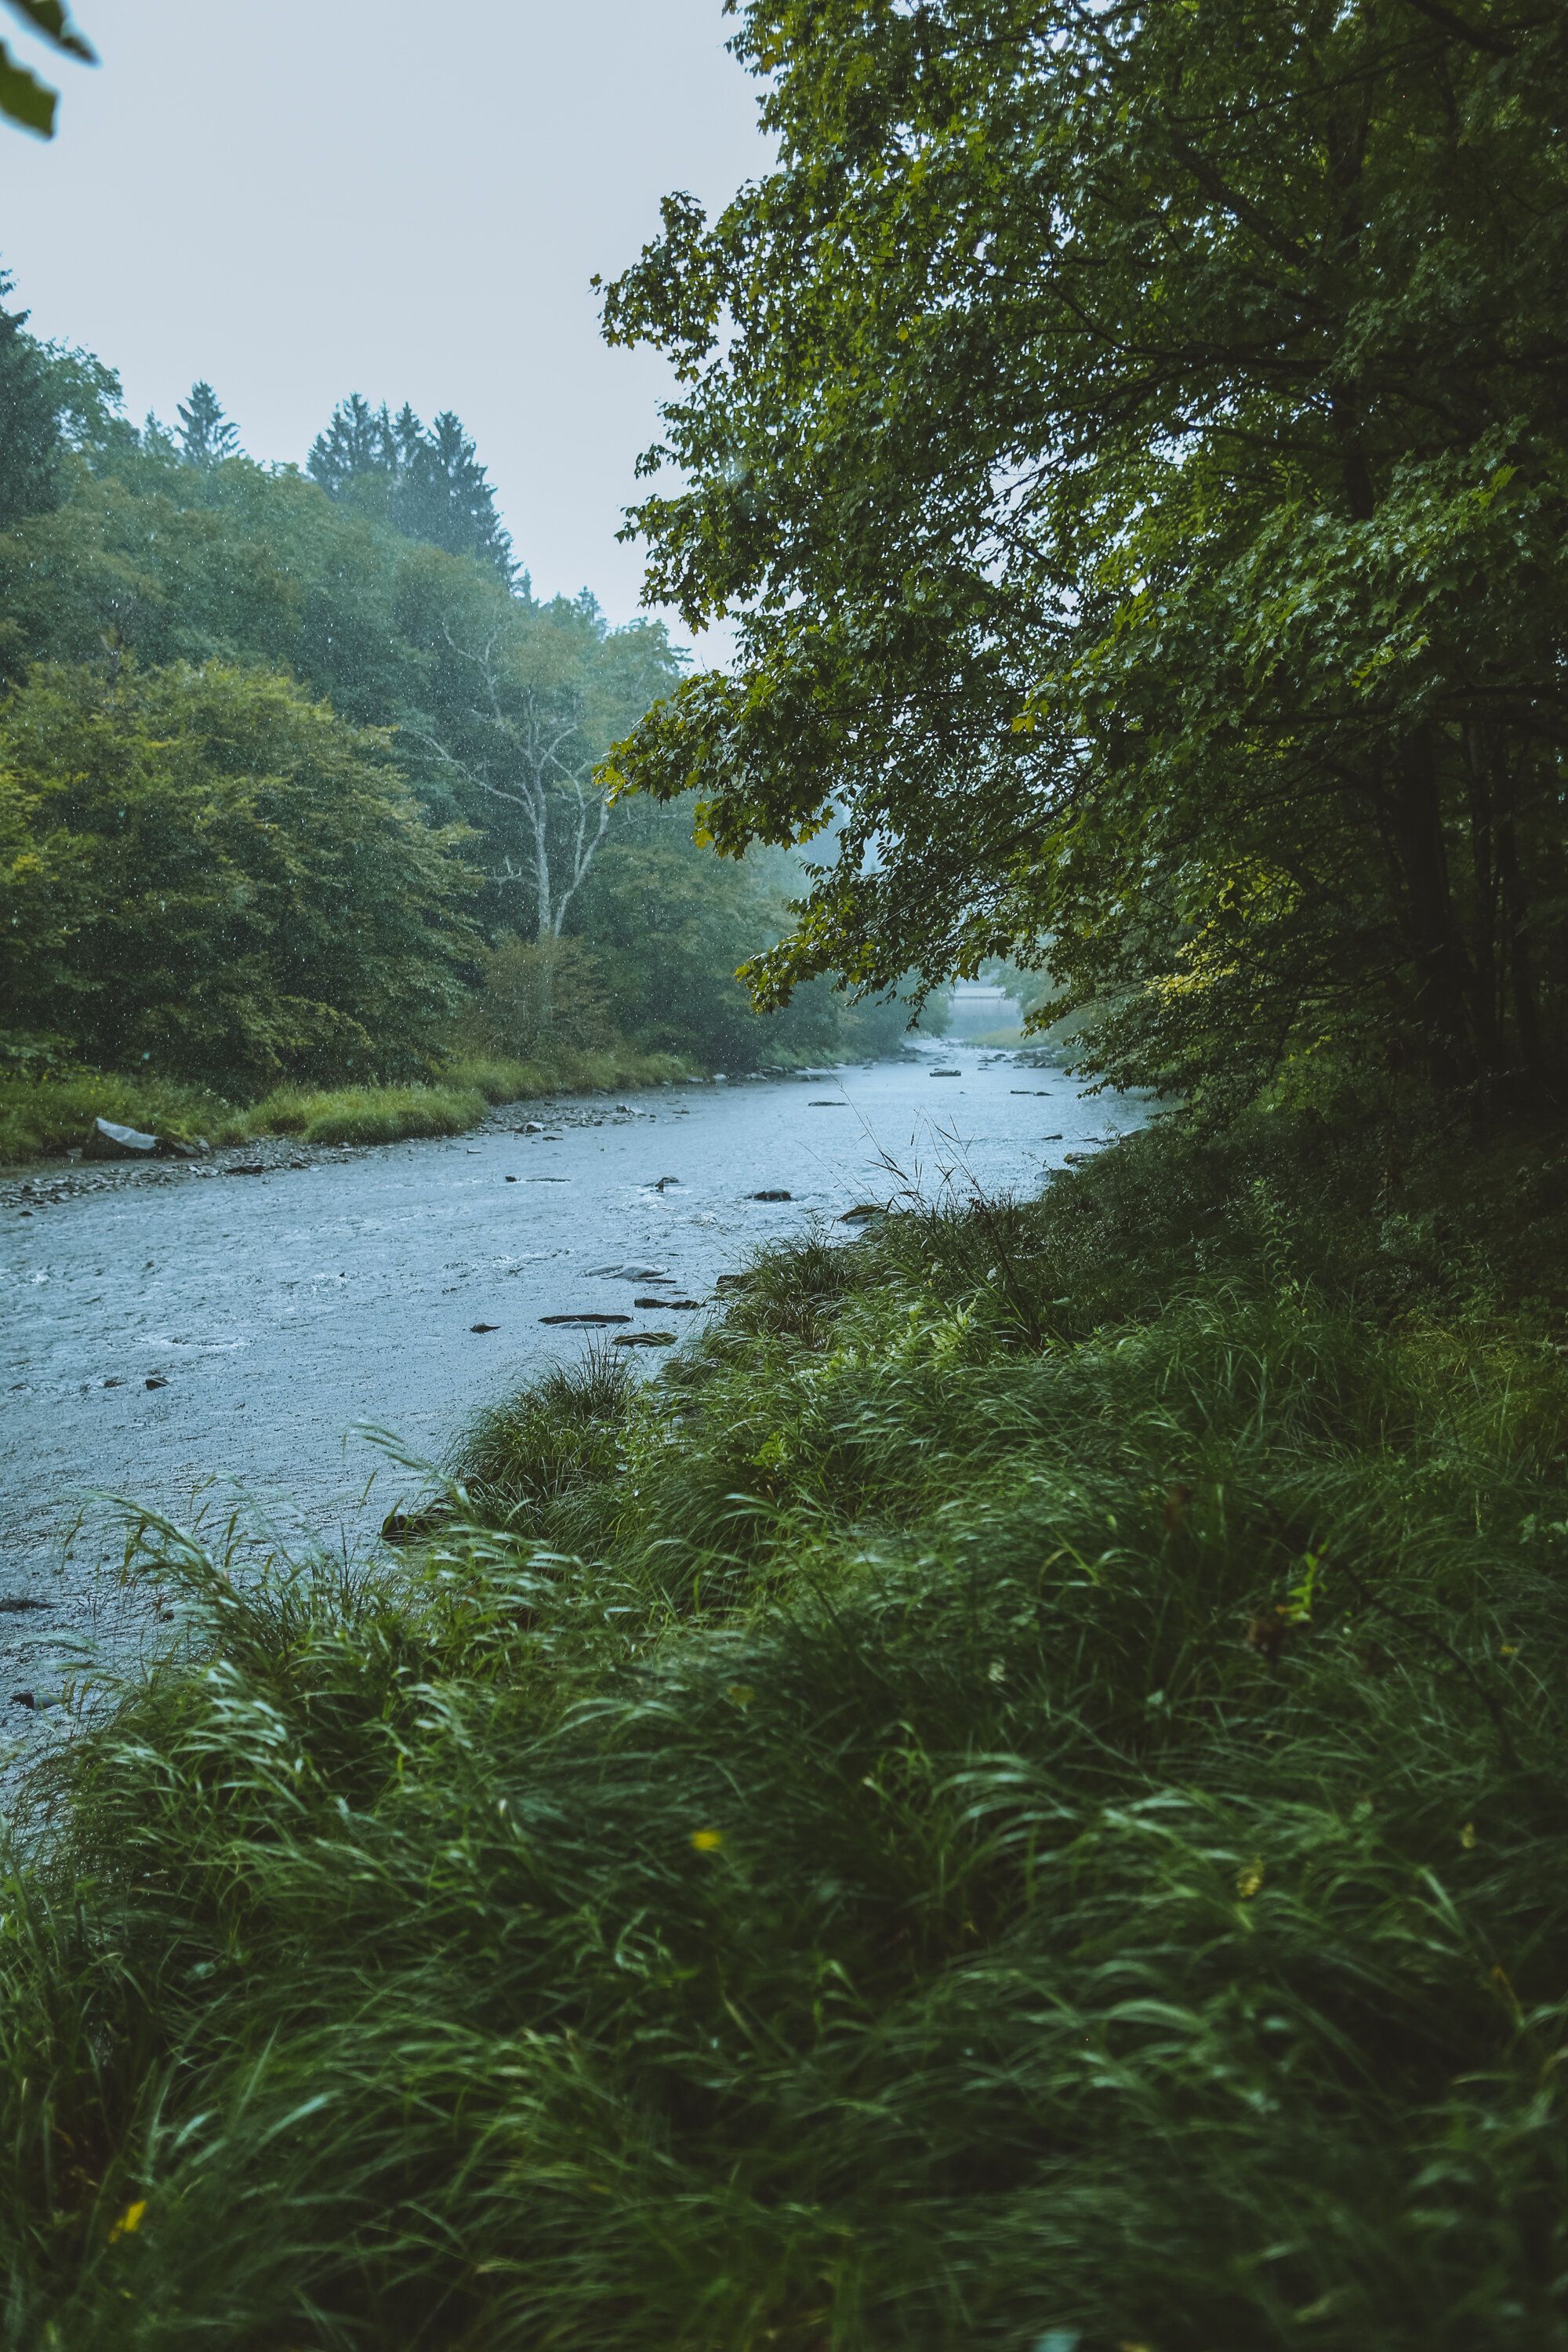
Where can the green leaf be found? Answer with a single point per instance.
(23, 98)
(50, 18)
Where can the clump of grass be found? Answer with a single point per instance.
(43, 1117)
(938, 1825)
(530, 1464)
(368, 1114)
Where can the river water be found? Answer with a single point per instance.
(278, 1310)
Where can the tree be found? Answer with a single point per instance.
(430, 485)
(206, 437)
(23, 98)
(522, 703)
(30, 437)
(356, 447)
(1133, 441)
(443, 494)
(205, 872)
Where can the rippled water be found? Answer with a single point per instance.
(280, 1309)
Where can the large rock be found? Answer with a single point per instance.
(105, 1140)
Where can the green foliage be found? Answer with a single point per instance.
(976, 1809)
(45, 1114)
(1131, 440)
(535, 993)
(48, 1109)
(161, 550)
(205, 871)
(428, 485)
(23, 98)
(207, 436)
(30, 420)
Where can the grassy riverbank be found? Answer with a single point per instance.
(41, 1117)
(1016, 1796)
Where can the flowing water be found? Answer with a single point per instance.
(276, 1311)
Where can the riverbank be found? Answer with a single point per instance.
(44, 1117)
(1013, 1797)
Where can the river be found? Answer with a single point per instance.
(180, 1334)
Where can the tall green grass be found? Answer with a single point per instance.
(43, 1117)
(1015, 1796)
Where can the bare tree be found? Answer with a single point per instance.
(528, 753)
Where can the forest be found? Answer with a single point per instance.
(297, 788)
(1011, 1796)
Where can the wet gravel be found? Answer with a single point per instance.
(184, 1334)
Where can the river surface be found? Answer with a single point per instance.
(276, 1311)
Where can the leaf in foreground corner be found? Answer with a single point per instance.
(50, 18)
(22, 97)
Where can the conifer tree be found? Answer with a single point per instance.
(29, 421)
(358, 443)
(445, 498)
(206, 437)
(428, 485)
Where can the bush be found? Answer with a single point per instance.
(537, 995)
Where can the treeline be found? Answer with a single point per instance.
(296, 771)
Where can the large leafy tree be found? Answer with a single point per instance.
(205, 871)
(1133, 441)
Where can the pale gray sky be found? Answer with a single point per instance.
(305, 198)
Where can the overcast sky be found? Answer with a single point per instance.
(312, 197)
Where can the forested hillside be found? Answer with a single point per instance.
(297, 772)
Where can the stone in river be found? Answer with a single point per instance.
(772, 1196)
(860, 1212)
(947, 1074)
(670, 1306)
(585, 1319)
(409, 1527)
(827, 1102)
(484, 1326)
(245, 1168)
(644, 1340)
(630, 1272)
(156, 1381)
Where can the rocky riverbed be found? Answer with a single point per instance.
(206, 1337)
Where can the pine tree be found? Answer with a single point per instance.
(29, 421)
(428, 485)
(358, 444)
(443, 496)
(206, 437)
